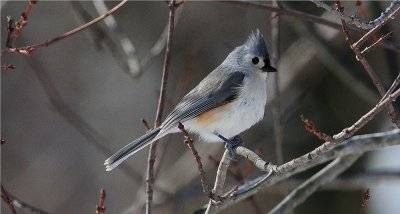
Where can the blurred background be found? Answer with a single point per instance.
(69, 106)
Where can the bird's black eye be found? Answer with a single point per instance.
(255, 60)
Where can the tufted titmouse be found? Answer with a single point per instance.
(225, 103)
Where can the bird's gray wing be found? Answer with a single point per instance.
(215, 90)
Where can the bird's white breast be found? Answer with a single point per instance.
(233, 118)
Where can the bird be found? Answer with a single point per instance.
(228, 101)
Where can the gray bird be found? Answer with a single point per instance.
(228, 101)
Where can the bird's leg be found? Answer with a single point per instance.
(230, 144)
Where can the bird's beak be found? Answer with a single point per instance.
(268, 68)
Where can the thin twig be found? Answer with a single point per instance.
(219, 183)
(7, 200)
(152, 153)
(380, 40)
(189, 142)
(13, 33)
(7, 67)
(308, 18)
(376, 28)
(18, 203)
(100, 208)
(27, 50)
(276, 107)
(395, 83)
(368, 68)
(386, 15)
(364, 203)
(129, 51)
(310, 128)
(326, 175)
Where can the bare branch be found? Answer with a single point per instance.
(219, 183)
(31, 48)
(356, 145)
(189, 142)
(7, 200)
(309, 18)
(310, 128)
(368, 68)
(152, 153)
(254, 158)
(276, 107)
(125, 43)
(100, 208)
(326, 175)
(364, 202)
(386, 15)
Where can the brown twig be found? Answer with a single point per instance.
(364, 203)
(7, 200)
(380, 40)
(360, 9)
(7, 67)
(167, 60)
(27, 50)
(311, 128)
(189, 142)
(145, 124)
(100, 207)
(13, 33)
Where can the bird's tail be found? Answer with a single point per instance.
(130, 149)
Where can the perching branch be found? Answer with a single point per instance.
(356, 145)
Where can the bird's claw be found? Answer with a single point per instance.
(230, 144)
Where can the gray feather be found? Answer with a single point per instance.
(215, 90)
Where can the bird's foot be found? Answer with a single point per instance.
(230, 144)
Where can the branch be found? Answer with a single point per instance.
(189, 142)
(386, 15)
(368, 68)
(152, 153)
(255, 159)
(356, 145)
(219, 183)
(7, 200)
(13, 33)
(129, 52)
(364, 202)
(324, 176)
(276, 107)
(100, 207)
(308, 18)
(27, 50)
